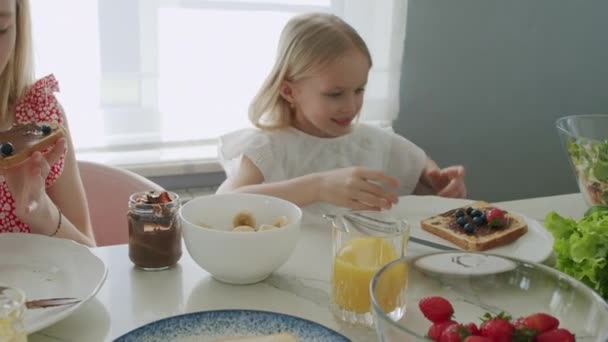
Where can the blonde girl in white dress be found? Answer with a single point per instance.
(308, 146)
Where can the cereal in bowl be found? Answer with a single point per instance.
(244, 221)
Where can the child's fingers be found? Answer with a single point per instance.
(373, 201)
(380, 177)
(435, 178)
(39, 164)
(56, 152)
(356, 205)
(378, 191)
(454, 189)
(453, 172)
(433, 173)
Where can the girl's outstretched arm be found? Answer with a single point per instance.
(356, 188)
(301, 191)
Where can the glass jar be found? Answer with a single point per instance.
(12, 308)
(155, 233)
(363, 242)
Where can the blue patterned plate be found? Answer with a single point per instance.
(212, 325)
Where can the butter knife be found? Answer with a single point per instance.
(432, 244)
(50, 302)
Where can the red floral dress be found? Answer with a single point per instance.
(38, 104)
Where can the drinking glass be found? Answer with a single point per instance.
(363, 242)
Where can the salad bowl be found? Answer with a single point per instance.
(585, 139)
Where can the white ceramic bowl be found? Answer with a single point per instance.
(237, 257)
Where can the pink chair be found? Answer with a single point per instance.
(108, 189)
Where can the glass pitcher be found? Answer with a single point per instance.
(363, 242)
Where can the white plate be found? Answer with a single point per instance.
(45, 267)
(536, 245)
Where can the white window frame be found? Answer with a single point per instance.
(129, 86)
(129, 90)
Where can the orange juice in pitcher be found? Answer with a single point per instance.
(363, 242)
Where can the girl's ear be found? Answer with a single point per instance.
(287, 91)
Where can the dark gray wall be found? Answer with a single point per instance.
(484, 81)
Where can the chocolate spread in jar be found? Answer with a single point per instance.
(154, 230)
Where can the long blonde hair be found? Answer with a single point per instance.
(18, 73)
(307, 43)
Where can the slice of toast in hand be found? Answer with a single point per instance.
(483, 236)
(21, 140)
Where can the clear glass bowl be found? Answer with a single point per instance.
(476, 283)
(585, 140)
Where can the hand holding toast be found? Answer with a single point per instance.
(358, 188)
(26, 181)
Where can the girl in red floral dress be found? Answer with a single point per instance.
(44, 194)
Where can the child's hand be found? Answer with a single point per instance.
(358, 188)
(26, 181)
(448, 182)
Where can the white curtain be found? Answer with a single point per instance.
(148, 74)
(382, 25)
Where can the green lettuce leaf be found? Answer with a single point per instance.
(581, 247)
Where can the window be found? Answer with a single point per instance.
(142, 78)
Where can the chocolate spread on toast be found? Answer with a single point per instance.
(23, 137)
(481, 230)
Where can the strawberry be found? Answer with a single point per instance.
(437, 329)
(495, 217)
(436, 309)
(519, 323)
(523, 334)
(498, 328)
(556, 335)
(541, 322)
(473, 329)
(453, 333)
(474, 338)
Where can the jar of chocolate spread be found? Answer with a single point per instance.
(155, 233)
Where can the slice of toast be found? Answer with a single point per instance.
(484, 237)
(21, 140)
(266, 338)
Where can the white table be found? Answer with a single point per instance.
(131, 298)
